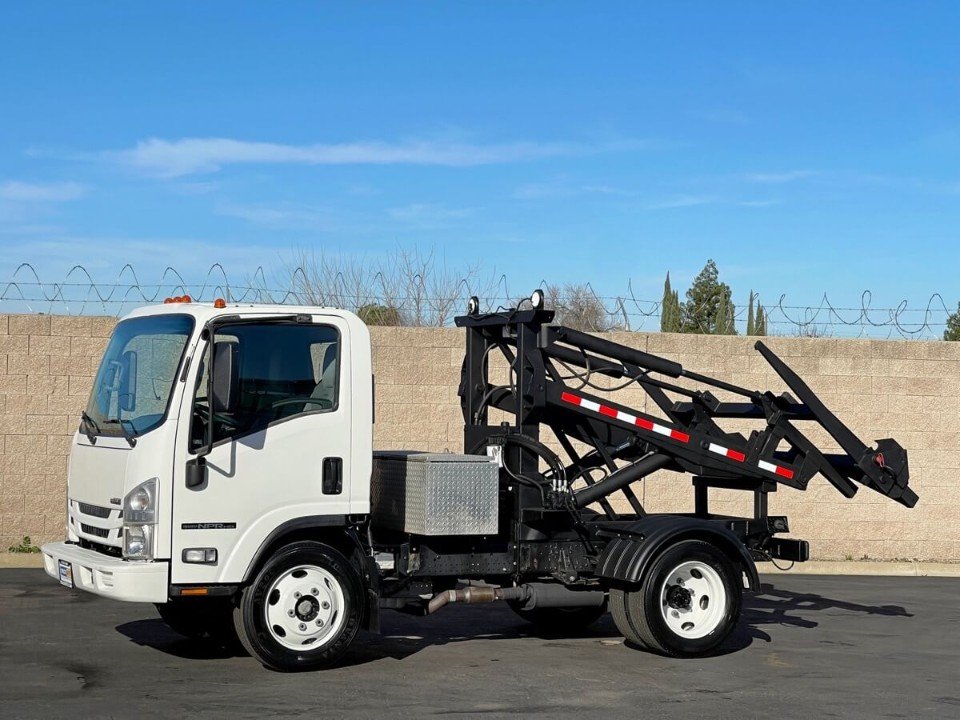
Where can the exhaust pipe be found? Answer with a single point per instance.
(473, 594)
(532, 595)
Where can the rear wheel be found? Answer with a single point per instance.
(302, 610)
(687, 604)
(618, 609)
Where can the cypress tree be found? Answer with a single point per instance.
(669, 308)
(665, 306)
(751, 326)
(761, 322)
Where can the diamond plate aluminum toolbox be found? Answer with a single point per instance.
(435, 493)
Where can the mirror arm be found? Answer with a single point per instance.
(197, 467)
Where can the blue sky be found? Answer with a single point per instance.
(809, 149)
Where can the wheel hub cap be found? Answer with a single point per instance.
(678, 597)
(305, 608)
(693, 600)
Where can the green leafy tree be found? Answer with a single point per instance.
(706, 296)
(724, 323)
(953, 325)
(669, 308)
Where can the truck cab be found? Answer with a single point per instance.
(291, 445)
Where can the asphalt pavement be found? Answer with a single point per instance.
(808, 647)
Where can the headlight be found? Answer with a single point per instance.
(139, 517)
(140, 505)
(138, 542)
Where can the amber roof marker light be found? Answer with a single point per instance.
(219, 303)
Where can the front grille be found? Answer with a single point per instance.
(91, 530)
(105, 549)
(94, 510)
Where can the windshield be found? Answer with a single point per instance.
(132, 388)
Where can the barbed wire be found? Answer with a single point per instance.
(78, 293)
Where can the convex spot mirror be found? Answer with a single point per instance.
(225, 377)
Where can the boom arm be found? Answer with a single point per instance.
(553, 382)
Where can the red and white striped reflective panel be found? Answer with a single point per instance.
(669, 432)
(625, 417)
(775, 469)
(727, 452)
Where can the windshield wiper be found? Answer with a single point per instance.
(131, 438)
(88, 423)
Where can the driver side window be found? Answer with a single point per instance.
(283, 371)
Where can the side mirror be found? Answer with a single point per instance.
(196, 472)
(127, 390)
(225, 378)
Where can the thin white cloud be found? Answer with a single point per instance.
(16, 191)
(429, 216)
(283, 215)
(55, 255)
(187, 156)
(680, 201)
(563, 188)
(195, 188)
(778, 178)
(758, 203)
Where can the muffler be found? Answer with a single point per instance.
(531, 595)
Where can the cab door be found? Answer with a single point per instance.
(280, 452)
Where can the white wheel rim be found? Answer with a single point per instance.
(693, 600)
(304, 608)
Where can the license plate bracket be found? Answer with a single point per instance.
(65, 570)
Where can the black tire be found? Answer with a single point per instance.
(201, 619)
(344, 598)
(646, 606)
(562, 619)
(618, 610)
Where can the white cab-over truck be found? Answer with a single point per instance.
(224, 471)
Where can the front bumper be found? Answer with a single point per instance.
(109, 576)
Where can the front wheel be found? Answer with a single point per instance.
(686, 605)
(302, 610)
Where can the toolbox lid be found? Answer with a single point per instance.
(419, 456)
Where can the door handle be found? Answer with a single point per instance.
(332, 482)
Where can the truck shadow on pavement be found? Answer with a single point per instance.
(787, 608)
(404, 635)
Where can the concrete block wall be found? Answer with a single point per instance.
(47, 365)
(905, 390)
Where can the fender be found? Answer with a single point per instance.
(314, 526)
(635, 545)
(313, 522)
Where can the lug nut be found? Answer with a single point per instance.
(315, 591)
(290, 613)
(325, 605)
(297, 595)
(303, 626)
(319, 623)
